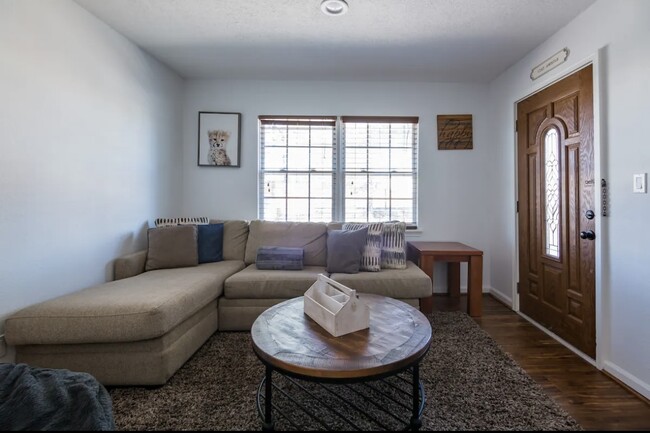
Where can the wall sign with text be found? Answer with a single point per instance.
(455, 131)
(552, 62)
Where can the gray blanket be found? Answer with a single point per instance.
(52, 399)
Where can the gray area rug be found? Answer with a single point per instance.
(470, 384)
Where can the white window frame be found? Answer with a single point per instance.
(388, 171)
(321, 123)
(338, 163)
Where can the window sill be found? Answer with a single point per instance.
(415, 233)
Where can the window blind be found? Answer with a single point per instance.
(307, 174)
(379, 168)
(297, 168)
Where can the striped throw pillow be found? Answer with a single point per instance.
(371, 254)
(182, 221)
(393, 248)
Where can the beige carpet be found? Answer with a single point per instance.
(469, 382)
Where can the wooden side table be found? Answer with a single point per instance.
(425, 254)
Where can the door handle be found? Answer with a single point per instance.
(589, 234)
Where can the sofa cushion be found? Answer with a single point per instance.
(344, 250)
(371, 255)
(235, 236)
(257, 283)
(410, 282)
(239, 314)
(312, 237)
(144, 362)
(137, 308)
(335, 225)
(172, 247)
(210, 242)
(129, 265)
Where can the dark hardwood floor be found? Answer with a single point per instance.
(593, 398)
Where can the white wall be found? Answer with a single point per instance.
(455, 186)
(89, 133)
(620, 32)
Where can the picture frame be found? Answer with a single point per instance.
(219, 139)
(455, 132)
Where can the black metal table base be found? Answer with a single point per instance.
(395, 402)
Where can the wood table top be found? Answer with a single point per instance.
(287, 339)
(448, 248)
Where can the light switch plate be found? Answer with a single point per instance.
(639, 185)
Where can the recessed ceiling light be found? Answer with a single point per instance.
(334, 7)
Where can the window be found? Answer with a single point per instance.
(552, 193)
(308, 174)
(380, 169)
(297, 167)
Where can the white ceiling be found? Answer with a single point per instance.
(419, 40)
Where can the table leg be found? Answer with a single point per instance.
(453, 279)
(475, 286)
(416, 422)
(426, 264)
(268, 407)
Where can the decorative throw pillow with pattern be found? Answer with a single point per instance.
(393, 248)
(371, 255)
(182, 221)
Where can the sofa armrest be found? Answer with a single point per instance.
(129, 265)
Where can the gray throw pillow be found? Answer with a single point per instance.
(172, 247)
(371, 256)
(344, 249)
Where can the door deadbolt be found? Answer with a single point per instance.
(590, 214)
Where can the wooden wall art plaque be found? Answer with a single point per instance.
(455, 131)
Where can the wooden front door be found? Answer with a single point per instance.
(556, 193)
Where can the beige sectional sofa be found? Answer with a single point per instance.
(143, 326)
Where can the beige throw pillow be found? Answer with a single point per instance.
(172, 247)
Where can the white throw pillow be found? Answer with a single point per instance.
(181, 221)
(393, 249)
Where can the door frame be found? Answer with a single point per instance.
(601, 295)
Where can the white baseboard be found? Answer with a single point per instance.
(501, 297)
(629, 379)
(565, 343)
(622, 375)
(463, 290)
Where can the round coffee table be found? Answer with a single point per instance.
(288, 341)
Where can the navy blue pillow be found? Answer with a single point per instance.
(210, 242)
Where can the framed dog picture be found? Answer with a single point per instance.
(219, 139)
